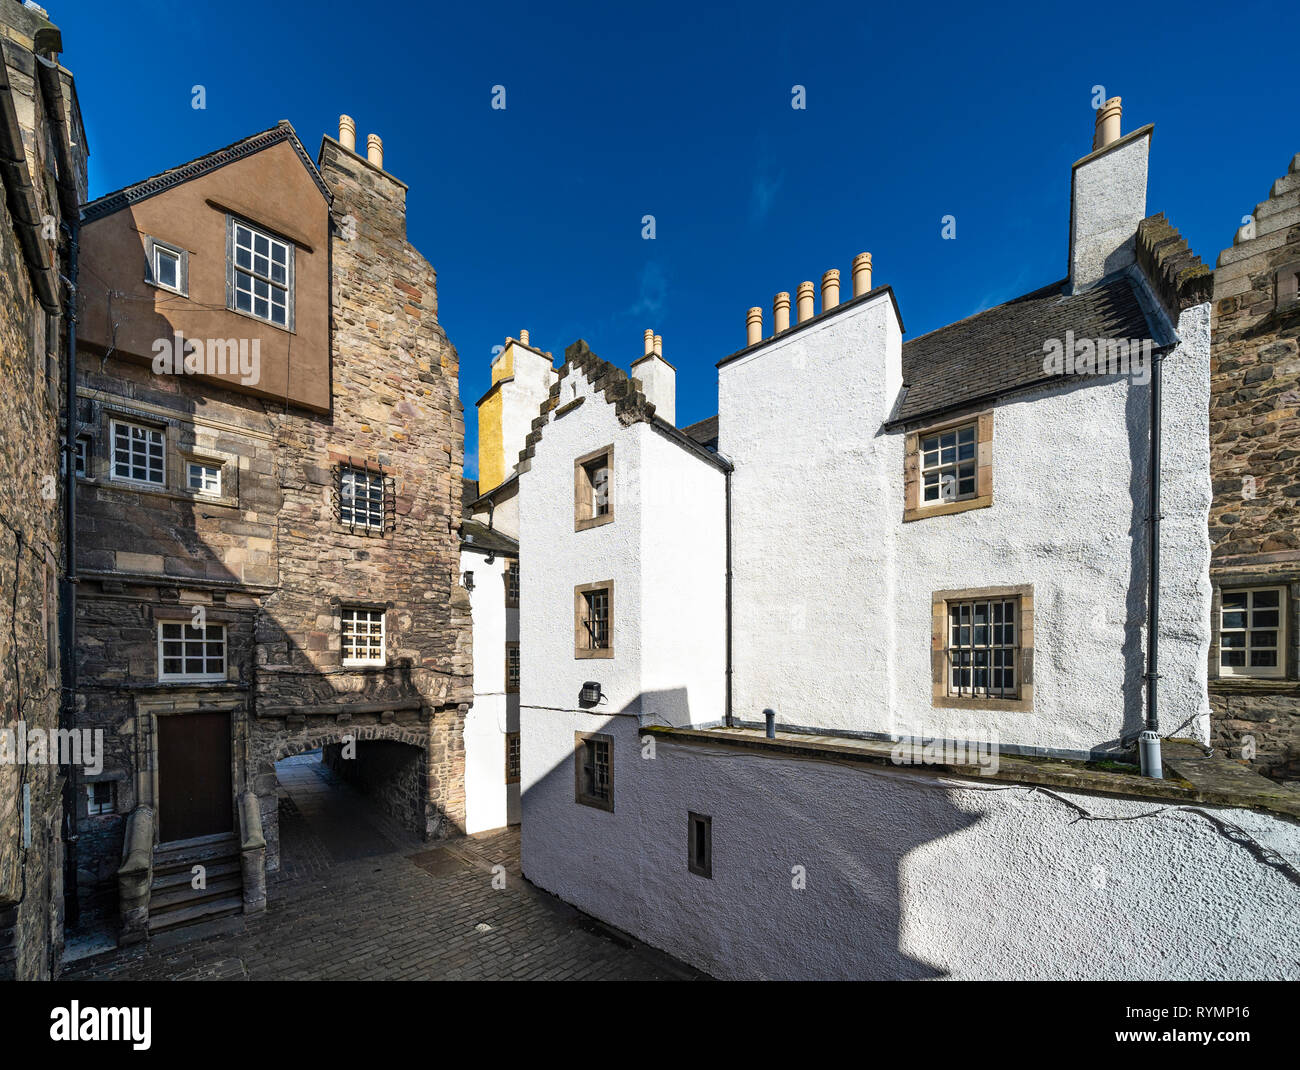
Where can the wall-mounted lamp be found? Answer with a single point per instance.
(590, 694)
(468, 580)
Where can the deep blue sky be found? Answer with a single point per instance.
(532, 215)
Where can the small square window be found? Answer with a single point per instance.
(363, 637)
(512, 757)
(82, 455)
(593, 620)
(699, 844)
(100, 798)
(512, 668)
(205, 478)
(1252, 632)
(981, 648)
(187, 651)
(361, 498)
(594, 770)
(948, 468)
(138, 454)
(168, 266)
(593, 489)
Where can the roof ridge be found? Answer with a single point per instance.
(201, 165)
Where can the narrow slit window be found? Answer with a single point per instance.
(699, 832)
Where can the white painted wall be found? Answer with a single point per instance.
(659, 384)
(489, 801)
(907, 876)
(832, 591)
(522, 399)
(1108, 197)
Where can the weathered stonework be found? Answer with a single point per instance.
(33, 249)
(1255, 442)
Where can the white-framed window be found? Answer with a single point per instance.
(260, 274)
(99, 798)
(205, 478)
(1252, 632)
(138, 453)
(363, 636)
(361, 498)
(168, 266)
(188, 652)
(948, 465)
(83, 455)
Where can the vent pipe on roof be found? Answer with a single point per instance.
(781, 312)
(348, 132)
(659, 345)
(649, 341)
(1107, 127)
(754, 326)
(804, 299)
(375, 150)
(861, 274)
(830, 289)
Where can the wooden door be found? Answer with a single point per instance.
(194, 789)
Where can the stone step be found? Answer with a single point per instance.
(208, 910)
(187, 865)
(180, 898)
(181, 876)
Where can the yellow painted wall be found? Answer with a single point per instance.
(491, 441)
(504, 366)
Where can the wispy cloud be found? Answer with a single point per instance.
(653, 294)
(763, 194)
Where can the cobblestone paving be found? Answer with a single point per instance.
(379, 904)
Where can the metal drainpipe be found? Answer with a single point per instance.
(730, 717)
(1149, 740)
(71, 910)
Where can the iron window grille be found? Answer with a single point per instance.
(983, 648)
(948, 463)
(512, 667)
(594, 759)
(363, 637)
(365, 498)
(595, 621)
(138, 454)
(512, 584)
(188, 652)
(1252, 629)
(512, 757)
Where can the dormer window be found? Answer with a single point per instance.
(259, 274)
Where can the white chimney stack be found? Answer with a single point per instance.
(658, 378)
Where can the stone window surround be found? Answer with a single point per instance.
(151, 244)
(580, 740)
(939, 696)
(580, 649)
(176, 458)
(1235, 581)
(1286, 285)
(703, 867)
(913, 507)
(583, 514)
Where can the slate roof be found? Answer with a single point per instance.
(481, 537)
(175, 176)
(1001, 349)
(705, 432)
(468, 494)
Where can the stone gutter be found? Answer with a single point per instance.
(1196, 778)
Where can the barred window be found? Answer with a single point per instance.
(594, 770)
(982, 648)
(261, 274)
(512, 584)
(363, 637)
(138, 453)
(948, 466)
(189, 652)
(99, 798)
(361, 498)
(512, 757)
(512, 667)
(1252, 630)
(593, 623)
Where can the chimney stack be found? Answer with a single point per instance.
(805, 301)
(348, 133)
(658, 378)
(375, 150)
(523, 337)
(1107, 126)
(754, 326)
(781, 312)
(861, 274)
(649, 341)
(830, 289)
